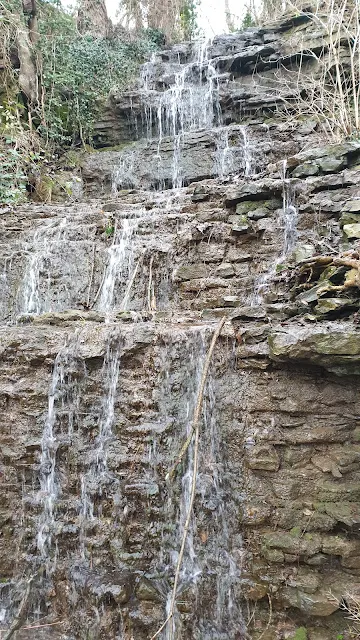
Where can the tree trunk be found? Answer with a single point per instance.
(93, 19)
(229, 17)
(26, 36)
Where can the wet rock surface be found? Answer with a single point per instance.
(107, 309)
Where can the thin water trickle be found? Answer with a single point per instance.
(63, 404)
(247, 154)
(46, 241)
(120, 262)
(289, 216)
(208, 575)
(287, 220)
(98, 476)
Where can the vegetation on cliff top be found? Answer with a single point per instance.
(54, 81)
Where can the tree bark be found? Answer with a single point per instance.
(93, 19)
(229, 17)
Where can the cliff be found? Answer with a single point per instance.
(221, 202)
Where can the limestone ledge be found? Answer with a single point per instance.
(334, 347)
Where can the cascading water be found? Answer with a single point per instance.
(288, 217)
(219, 564)
(98, 476)
(63, 402)
(209, 578)
(47, 240)
(233, 151)
(287, 220)
(190, 104)
(120, 262)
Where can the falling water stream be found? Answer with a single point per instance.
(47, 240)
(190, 104)
(209, 576)
(98, 476)
(63, 402)
(287, 220)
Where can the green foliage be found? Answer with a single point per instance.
(300, 634)
(77, 74)
(248, 21)
(16, 155)
(188, 18)
(155, 36)
(109, 230)
(12, 177)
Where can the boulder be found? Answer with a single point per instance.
(336, 348)
(352, 230)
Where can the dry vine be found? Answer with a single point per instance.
(194, 432)
(21, 614)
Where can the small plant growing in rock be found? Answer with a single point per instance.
(109, 230)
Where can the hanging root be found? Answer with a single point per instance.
(187, 442)
(91, 276)
(150, 293)
(194, 432)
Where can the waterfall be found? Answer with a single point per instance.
(98, 476)
(287, 220)
(191, 103)
(209, 577)
(233, 151)
(188, 105)
(63, 403)
(288, 217)
(47, 241)
(120, 262)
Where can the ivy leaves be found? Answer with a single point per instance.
(77, 74)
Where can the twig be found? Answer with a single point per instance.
(40, 626)
(129, 286)
(269, 620)
(187, 442)
(21, 611)
(195, 430)
(150, 291)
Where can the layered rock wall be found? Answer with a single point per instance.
(107, 309)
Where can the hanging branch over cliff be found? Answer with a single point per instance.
(194, 433)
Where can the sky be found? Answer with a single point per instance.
(211, 14)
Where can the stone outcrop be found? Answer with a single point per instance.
(107, 307)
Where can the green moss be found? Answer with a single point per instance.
(300, 634)
(296, 532)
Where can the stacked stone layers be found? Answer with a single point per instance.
(282, 443)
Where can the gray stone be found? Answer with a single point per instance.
(240, 225)
(308, 168)
(258, 214)
(352, 230)
(330, 164)
(190, 272)
(303, 251)
(352, 206)
(225, 270)
(333, 305)
(348, 218)
(336, 349)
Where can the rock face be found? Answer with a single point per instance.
(107, 311)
